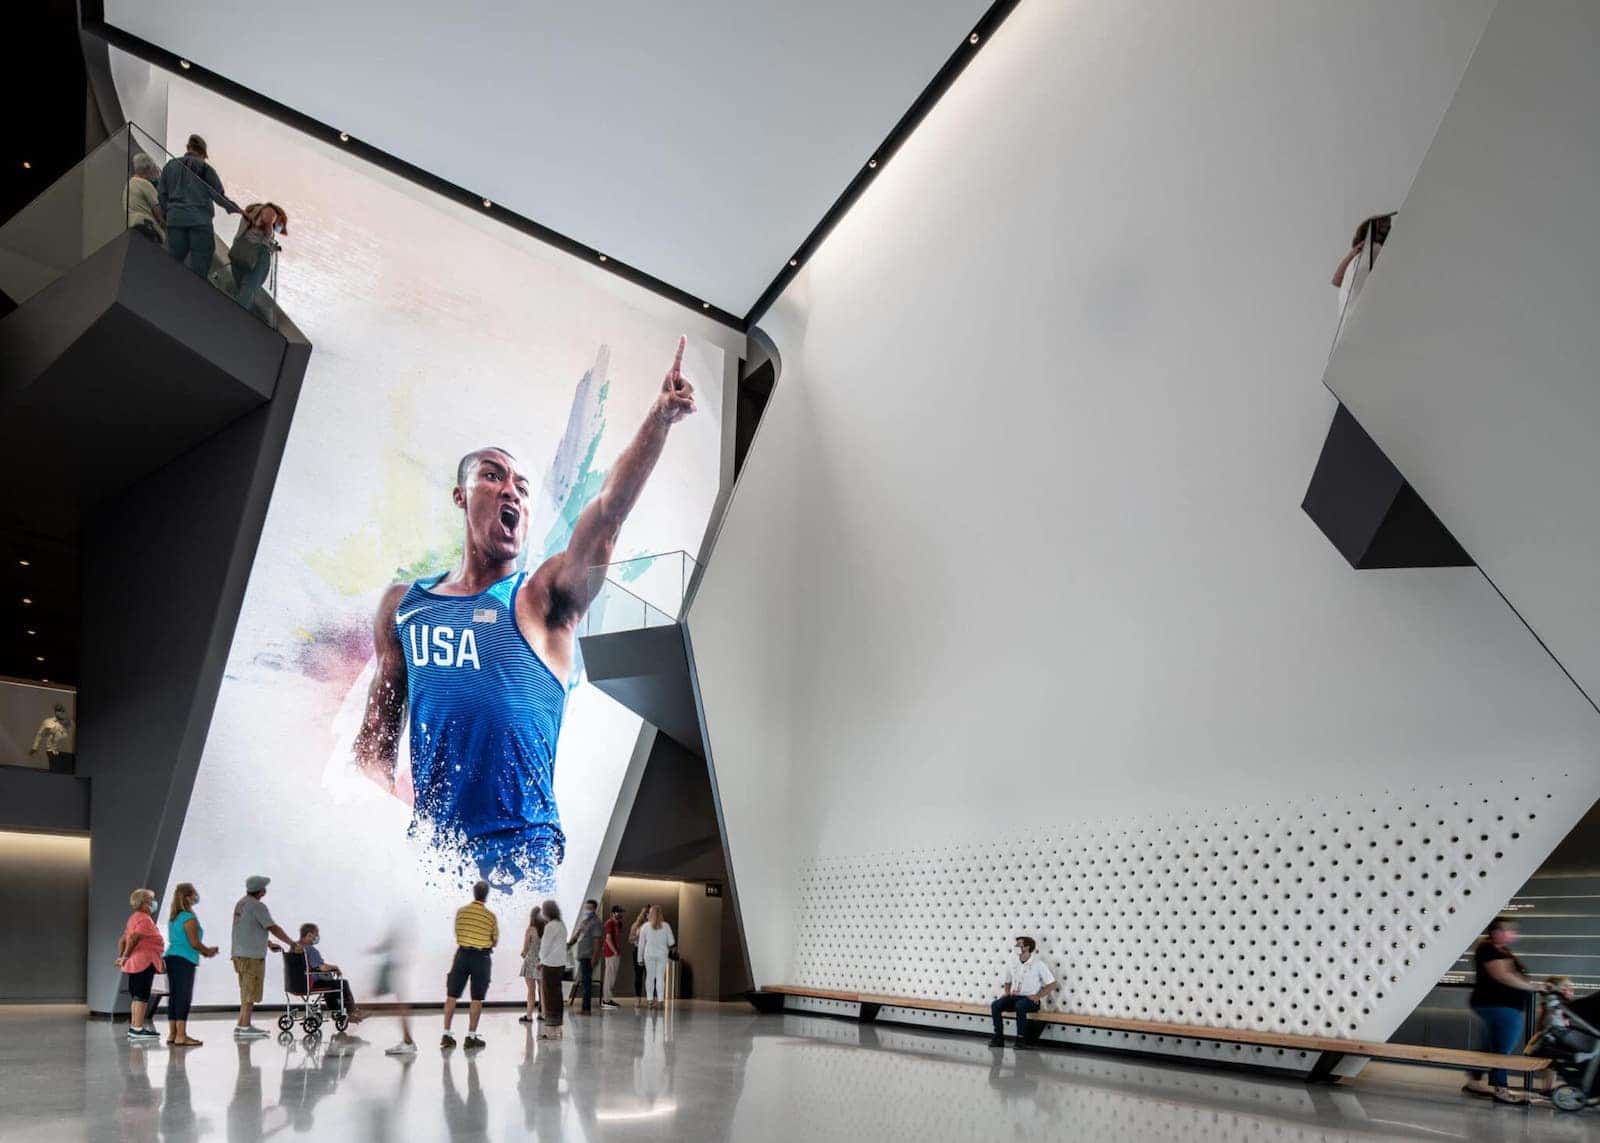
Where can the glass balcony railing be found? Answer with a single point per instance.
(131, 182)
(648, 591)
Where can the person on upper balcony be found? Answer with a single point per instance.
(188, 192)
(142, 200)
(1351, 273)
(250, 256)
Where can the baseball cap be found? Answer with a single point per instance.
(255, 883)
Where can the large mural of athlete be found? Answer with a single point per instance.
(477, 658)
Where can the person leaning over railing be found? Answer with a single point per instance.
(188, 192)
(250, 256)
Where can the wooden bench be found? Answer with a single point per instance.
(1331, 1048)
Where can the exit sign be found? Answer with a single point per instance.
(713, 890)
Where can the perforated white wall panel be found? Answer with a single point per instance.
(1330, 916)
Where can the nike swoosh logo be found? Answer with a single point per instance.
(401, 617)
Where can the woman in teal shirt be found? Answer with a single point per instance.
(185, 946)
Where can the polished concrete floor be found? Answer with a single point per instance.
(703, 1072)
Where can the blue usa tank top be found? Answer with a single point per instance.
(485, 718)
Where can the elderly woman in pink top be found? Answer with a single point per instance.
(139, 955)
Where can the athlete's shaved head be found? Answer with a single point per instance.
(493, 494)
(464, 469)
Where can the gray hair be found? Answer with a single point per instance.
(145, 167)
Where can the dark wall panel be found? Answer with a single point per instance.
(165, 567)
(44, 892)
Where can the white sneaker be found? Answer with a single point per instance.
(403, 1049)
(250, 1032)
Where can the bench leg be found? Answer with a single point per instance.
(1322, 1070)
(869, 1012)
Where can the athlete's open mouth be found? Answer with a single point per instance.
(509, 517)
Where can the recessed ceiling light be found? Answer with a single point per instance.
(31, 631)
(972, 39)
(27, 166)
(603, 258)
(343, 137)
(185, 64)
(26, 600)
(705, 305)
(872, 163)
(38, 658)
(794, 261)
(487, 204)
(24, 563)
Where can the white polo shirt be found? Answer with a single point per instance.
(1027, 978)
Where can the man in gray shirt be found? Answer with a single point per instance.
(188, 192)
(586, 930)
(252, 923)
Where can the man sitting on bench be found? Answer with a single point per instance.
(1028, 981)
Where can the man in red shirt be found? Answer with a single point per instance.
(612, 951)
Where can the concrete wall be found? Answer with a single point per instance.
(1016, 578)
(1470, 357)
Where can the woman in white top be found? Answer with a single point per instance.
(552, 961)
(655, 945)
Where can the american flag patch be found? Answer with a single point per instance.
(485, 615)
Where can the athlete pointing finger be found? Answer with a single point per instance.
(478, 657)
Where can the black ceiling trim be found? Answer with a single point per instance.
(94, 23)
(872, 164)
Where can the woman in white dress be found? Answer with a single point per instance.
(655, 946)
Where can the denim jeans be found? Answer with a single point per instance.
(1506, 1032)
(180, 985)
(248, 281)
(192, 245)
(586, 978)
(1019, 1004)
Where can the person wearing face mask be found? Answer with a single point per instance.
(1499, 992)
(585, 933)
(325, 974)
(139, 955)
(185, 946)
(250, 256)
(1028, 981)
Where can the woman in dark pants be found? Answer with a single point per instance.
(185, 946)
(1499, 995)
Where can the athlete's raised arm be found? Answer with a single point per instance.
(378, 741)
(595, 533)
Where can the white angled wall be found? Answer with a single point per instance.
(1015, 623)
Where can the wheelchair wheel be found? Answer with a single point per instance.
(1568, 1098)
(285, 1022)
(341, 1021)
(311, 1025)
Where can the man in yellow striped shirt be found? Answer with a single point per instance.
(477, 933)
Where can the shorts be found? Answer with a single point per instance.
(252, 973)
(139, 984)
(470, 964)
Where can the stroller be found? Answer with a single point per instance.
(311, 999)
(1572, 1044)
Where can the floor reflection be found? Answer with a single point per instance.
(703, 1073)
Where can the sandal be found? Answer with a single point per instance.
(189, 1042)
